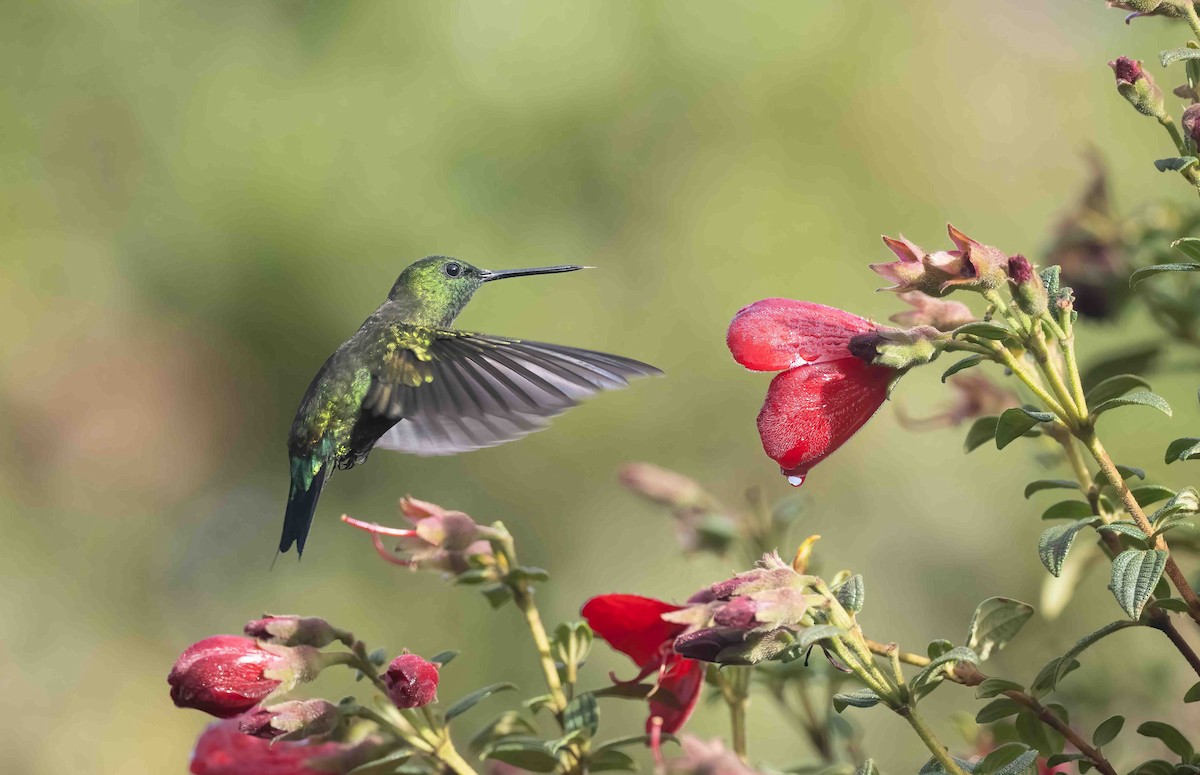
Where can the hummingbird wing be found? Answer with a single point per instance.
(464, 391)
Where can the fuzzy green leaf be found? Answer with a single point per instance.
(1015, 423)
(938, 647)
(995, 622)
(1052, 672)
(1173, 55)
(1068, 510)
(471, 700)
(443, 658)
(1134, 574)
(1185, 448)
(1049, 484)
(981, 432)
(1170, 736)
(1140, 398)
(1031, 731)
(1126, 472)
(1189, 246)
(867, 768)
(1182, 503)
(611, 760)
(861, 698)
(1193, 694)
(933, 672)
(1176, 604)
(528, 753)
(1149, 271)
(1173, 164)
(851, 593)
(998, 709)
(1125, 528)
(1056, 542)
(994, 686)
(582, 713)
(1114, 387)
(965, 363)
(1008, 759)
(1152, 767)
(1058, 668)
(985, 329)
(1107, 731)
(1137, 360)
(1151, 493)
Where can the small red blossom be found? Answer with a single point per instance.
(411, 681)
(824, 394)
(222, 750)
(634, 625)
(224, 675)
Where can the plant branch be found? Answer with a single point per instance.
(931, 741)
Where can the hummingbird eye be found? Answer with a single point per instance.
(453, 269)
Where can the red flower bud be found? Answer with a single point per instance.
(1027, 287)
(1191, 123)
(223, 750)
(227, 674)
(738, 612)
(291, 720)
(1136, 86)
(411, 681)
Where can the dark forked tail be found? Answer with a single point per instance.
(301, 506)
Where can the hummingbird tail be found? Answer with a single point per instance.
(301, 506)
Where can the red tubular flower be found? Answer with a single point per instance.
(634, 626)
(411, 681)
(227, 674)
(223, 750)
(824, 394)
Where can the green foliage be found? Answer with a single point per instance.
(582, 713)
(444, 658)
(1056, 669)
(986, 329)
(965, 363)
(934, 673)
(1017, 422)
(1108, 731)
(1050, 484)
(995, 622)
(528, 753)
(981, 432)
(860, 698)
(1170, 164)
(1056, 542)
(1193, 694)
(1171, 56)
(1170, 736)
(997, 709)
(851, 593)
(1114, 387)
(464, 704)
(1140, 398)
(1068, 510)
(994, 686)
(1186, 448)
(1151, 493)
(1135, 572)
(1008, 759)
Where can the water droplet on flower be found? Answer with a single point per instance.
(795, 480)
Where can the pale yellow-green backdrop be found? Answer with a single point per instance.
(200, 200)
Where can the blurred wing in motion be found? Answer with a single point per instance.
(470, 391)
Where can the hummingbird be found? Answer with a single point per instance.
(408, 381)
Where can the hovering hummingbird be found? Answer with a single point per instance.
(408, 381)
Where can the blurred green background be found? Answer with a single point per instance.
(199, 201)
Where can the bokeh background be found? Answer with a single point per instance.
(199, 201)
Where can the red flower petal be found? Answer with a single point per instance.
(811, 411)
(684, 679)
(223, 750)
(632, 625)
(777, 334)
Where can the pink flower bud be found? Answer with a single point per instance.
(1137, 87)
(662, 485)
(738, 612)
(411, 681)
(292, 631)
(227, 674)
(1191, 123)
(1027, 287)
(291, 720)
(223, 750)
(928, 311)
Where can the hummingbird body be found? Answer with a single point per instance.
(408, 381)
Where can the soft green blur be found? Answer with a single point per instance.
(199, 201)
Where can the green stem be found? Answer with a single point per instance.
(1031, 381)
(1050, 370)
(1134, 509)
(734, 690)
(450, 756)
(1189, 10)
(523, 597)
(931, 741)
(1073, 378)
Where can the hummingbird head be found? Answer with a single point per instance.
(436, 288)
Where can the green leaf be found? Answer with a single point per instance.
(818, 632)
(1182, 503)
(981, 432)
(1049, 484)
(497, 594)
(933, 672)
(994, 686)
(861, 698)
(1056, 542)
(1189, 246)
(1057, 668)
(1015, 423)
(1193, 694)
(938, 647)
(1008, 759)
(965, 363)
(1173, 55)
(443, 658)
(995, 622)
(528, 753)
(610, 760)
(1151, 493)
(1140, 398)
(1107, 731)
(1114, 387)
(1170, 736)
(1186, 448)
(625, 691)
(621, 742)
(1137, 360)
(384, 765)
(1051, 673)
(471, 700)
(1173, 164)
(1175, 604)
(1125, 528)
(1068, 510)
(527, 573)
(582, 713)
(1149, 271)
(934, 767)
(1134, 574)
(1153, 767)
(985, 330)
(851, 593)
(1170, 523)
(867, 768)
(997, 709)
(1064, 758)
(510, 723)
(1032, 732)
(1126, 472)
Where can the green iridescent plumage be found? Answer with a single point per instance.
(409, 382)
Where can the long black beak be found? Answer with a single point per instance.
(505, 273)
